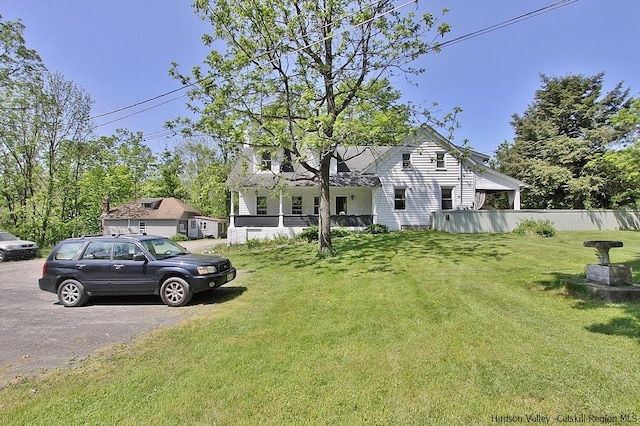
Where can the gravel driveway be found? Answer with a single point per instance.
(39, 334)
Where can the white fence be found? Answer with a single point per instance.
(474, 221)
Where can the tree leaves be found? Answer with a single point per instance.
(560, 139)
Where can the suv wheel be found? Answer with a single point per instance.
(175, 292)
(1, 255)
(71, 293)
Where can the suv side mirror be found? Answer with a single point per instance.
(139, 257)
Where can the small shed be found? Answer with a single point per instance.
(207, 227)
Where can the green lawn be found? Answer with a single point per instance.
(408, 328)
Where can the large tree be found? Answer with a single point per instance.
(307, 76)
(559, 139)
(624, 163)
(203, 173)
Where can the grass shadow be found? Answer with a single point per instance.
(571, 286)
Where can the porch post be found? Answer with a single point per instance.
(516, 199)
(280, 214)
(232, 215)
(374, 205)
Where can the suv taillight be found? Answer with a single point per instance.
(44, 268)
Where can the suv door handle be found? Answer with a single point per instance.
(118, 266)
(80, 265)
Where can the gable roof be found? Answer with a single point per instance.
(420, 136)
(357, 165)
(152, 208)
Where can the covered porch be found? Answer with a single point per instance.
(261, 213)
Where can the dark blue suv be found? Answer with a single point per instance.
(78, 268)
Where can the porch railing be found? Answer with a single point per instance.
(301, 221)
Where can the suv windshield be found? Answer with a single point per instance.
(162, 248)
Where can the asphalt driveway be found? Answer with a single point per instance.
(39, 334)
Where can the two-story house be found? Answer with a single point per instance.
(397, 186)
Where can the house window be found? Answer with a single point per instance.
(142, 227)
(316, 205)
(341, 205)
(261, 205)
(447, 198)
(406, 160)
(265, 162)
(296, 205)
(286, 165)
(440, 164)
(203, 225)
(400, 198)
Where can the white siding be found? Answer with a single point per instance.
(423, 182)
(163, 228)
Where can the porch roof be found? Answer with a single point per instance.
(340, 180)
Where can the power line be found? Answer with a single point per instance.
(255, 58)
(508, 22)
(456, 40)
(142, 110)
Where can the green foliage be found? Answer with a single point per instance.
(166, 182)
(310, 93)
(204, 173)
(310, 234)
(560, 140)
(624, 163)
(539, 227)
(179, 237)
(376, 228)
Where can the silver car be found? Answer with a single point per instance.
(12, 247)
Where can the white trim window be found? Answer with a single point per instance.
(142, 227)
(399, 198)
(406, 160)
(261, 205)
(316, 205)
(265, 161)
(441, 164)
(296, 205)
(446, 198)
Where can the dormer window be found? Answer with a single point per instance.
(406, 160)
(265, 161)
(287, 164)
(342, 166)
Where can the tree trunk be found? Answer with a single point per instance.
(324, 225)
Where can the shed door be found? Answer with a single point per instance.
(193, 228)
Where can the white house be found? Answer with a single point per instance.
(395, 186)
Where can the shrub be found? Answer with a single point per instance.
(310, 234)
(179, 237)
(340, 232)
(543, 228)
(376, 228)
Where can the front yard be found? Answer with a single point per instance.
(405, 328)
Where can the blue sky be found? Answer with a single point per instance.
(119, 51)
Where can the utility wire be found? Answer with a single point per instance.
(507, 23)
(255, 58)
(456, 40)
